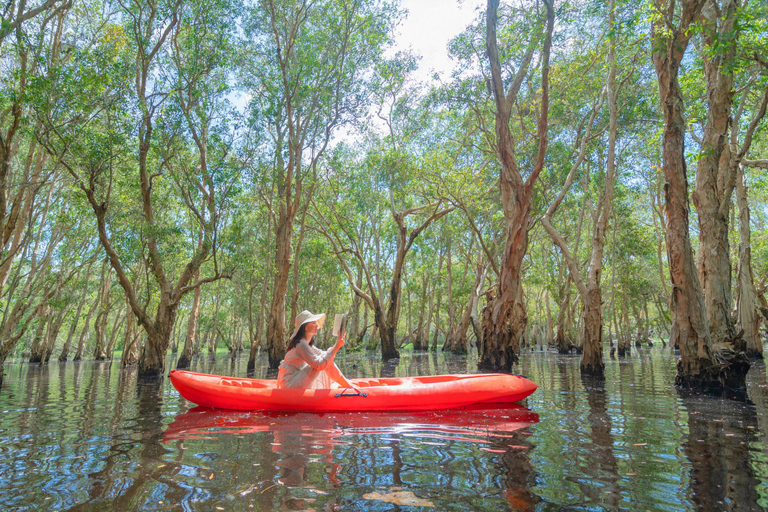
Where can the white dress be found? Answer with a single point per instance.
(308, 367)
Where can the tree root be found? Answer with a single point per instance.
(728, 376)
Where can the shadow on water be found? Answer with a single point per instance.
(87, 436)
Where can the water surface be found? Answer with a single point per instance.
(86, 436)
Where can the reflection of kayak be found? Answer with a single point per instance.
(386, 394)
(474, 423)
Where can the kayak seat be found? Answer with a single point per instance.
(241, 383)
(377, 382)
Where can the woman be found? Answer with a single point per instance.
(305, 365)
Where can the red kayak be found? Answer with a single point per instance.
(385, 394)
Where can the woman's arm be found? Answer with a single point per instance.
(316, 358)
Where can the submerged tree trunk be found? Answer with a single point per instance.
(504, 318)
(589, 288)
(623, 332)
(85, 333)
(52, 335)
(65, 349)
(116, 325)
(256, 341)
(418, 340)
(698, 367)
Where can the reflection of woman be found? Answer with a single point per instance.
(305, 365)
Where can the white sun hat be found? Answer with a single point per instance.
(304, 317)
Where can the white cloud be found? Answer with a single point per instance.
(430, 25)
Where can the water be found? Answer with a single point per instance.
(84, 436)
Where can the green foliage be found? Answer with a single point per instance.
(254, 104)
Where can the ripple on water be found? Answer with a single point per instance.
(87, 435)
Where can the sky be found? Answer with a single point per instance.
(428, 28)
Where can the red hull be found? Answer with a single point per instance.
(386, 394)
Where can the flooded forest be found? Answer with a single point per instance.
(183, 177)
(582, 198)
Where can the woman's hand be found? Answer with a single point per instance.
(340, 340)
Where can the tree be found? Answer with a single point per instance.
(344, 227)
(183, 142)
(306, 69)
(504, 318)
(698, 366)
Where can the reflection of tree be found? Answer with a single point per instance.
(103, 481)
(719, 434)
(602, 443)
(388, 368)
(758, 391)
(435, 362)
(519, 476)
(419, 364)
(110, 487)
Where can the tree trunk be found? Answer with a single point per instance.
(550, 329)
(152, 360)
(713, 181)
(450, 339)
(130, 341)
(432, 291)
(625, 337)
(100, 324)
(276, 331)
(748, 320)
(116, 325)
(53, 334)
(388, 325)
(437, 320)
(296, 268)
(185, 359)
(84, 334)
(504, 318)
(418, 340)
(563, 340)
(697, 367)
(65, 349)
(592, 358)
(354, 325)
(256, 341)
(38, 339)
(466, 319)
